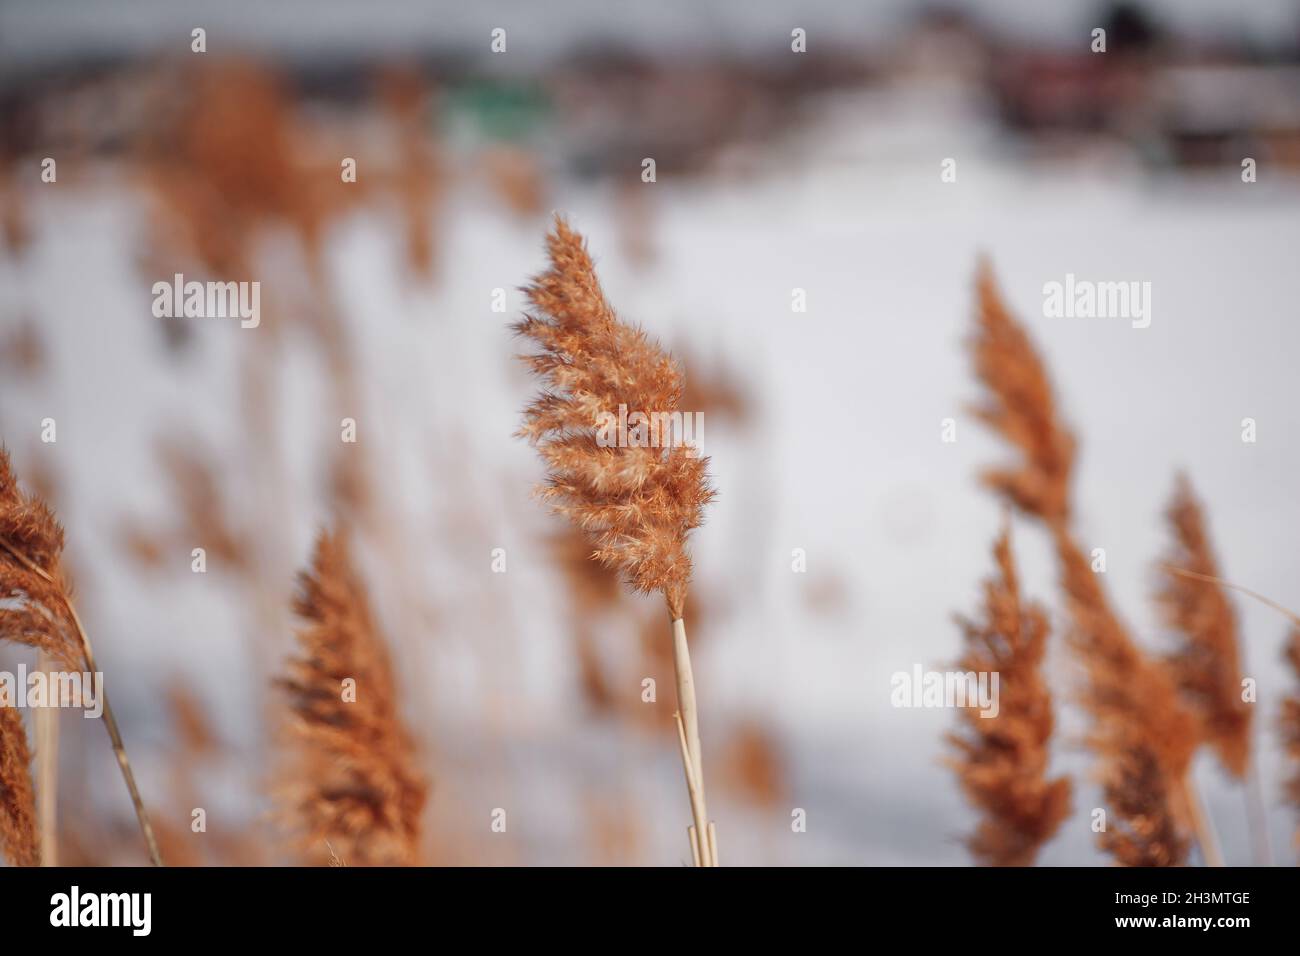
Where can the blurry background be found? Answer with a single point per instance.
(775, 171)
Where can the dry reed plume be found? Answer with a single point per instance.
(19, 840)
(1143, 734)
(1020, 407)
(1128, 694)
(1137, 788)
(1289, 725)
(1194, 602)
(1206, 665)
(722, 396)
(356, 787)
(202, 510)
(417, 178)
(237, 154)
(637, 504)
(754, 765)
(39, 610)
(1002, 761)
(31, 574)
(225, 165)
(22, 348)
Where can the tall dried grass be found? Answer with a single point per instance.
(1206, 663)
(19, 838)
(237, 154)
(41, 613)
(31, 574)
(1002, 761)
(1138, 790)
(636, 504)
(1289, 725)
(1141, 731)
(418, 177)
(754, 765)
(354, 789)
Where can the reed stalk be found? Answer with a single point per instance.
(1143, 734)
(1210, 578)
(1002, 763)
(1207, 837)
(46, 731)
(703, 842)
(353, 787)
(1257, 817)
(635, 501)
(20, 843)
(38, 522)
(1256, 812)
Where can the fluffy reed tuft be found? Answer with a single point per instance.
(1002, 761)
(1145, 832)
(1020, 406)
(32, 584)
(34, 611)
(1289, 725)
(19, 837)
(1206, 664)
(355, 787)
(39, 610)
(1128, 694)
(1143, 734)
(637, 504)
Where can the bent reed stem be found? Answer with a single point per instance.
(703, 837)
(1294, 617)
(110, 722)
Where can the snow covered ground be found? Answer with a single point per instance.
(844, 460)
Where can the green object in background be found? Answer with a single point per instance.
(500, 110)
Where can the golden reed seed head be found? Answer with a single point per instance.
(1127, 693)
(1002, 761)
(355, 786)
(1020, 406)
(636, 504)
(1206, 664)
(1141, 730)
(1146, 832)
(19, 839)
(1289, 727)
(37, 619)
(31, 574)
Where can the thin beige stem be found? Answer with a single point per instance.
(1206, 835)
(47, 769)
(110, 722)
(689, 733)
(1257, 816)
(690, 788)
(1236, 587)
(119, 749)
